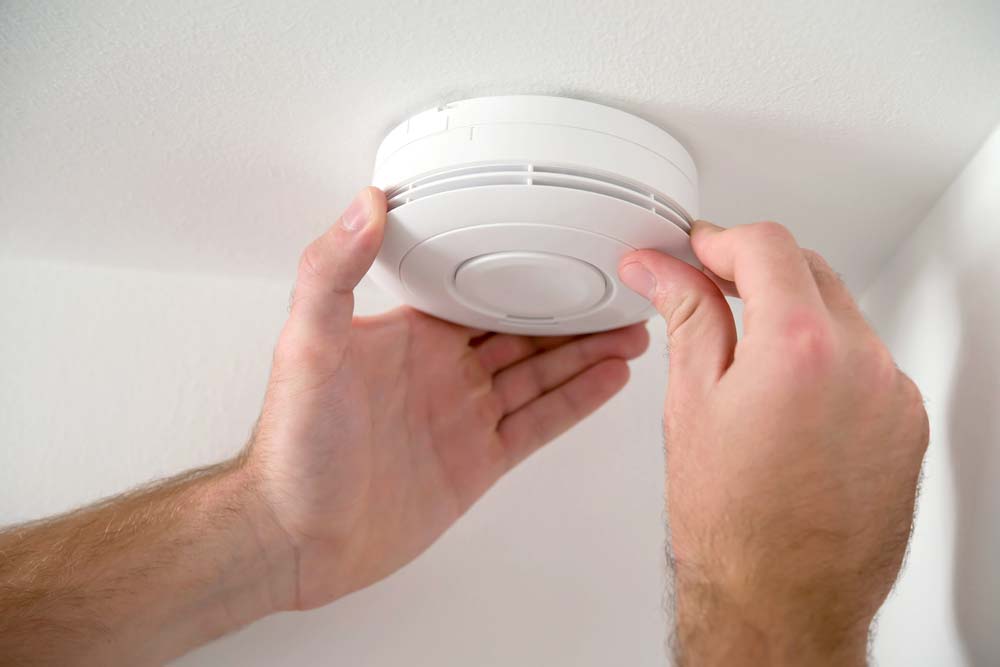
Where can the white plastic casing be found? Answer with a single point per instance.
(511, 213)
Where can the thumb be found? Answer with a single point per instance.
(699, 322)
(332, 266)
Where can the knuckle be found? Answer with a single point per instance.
(923, 426)
(915, 408)
(871, 370)
(820, 268)
(809, 342)
(535, 377)
(576, 404)
(680, 312)
(474, 374)
(540, 424)
(816, 260)
(310, 261)
(771, 230)
(586, 351)
(490, 409)
(914, 397)
(299, 350)
(300, 354)
(877, 368)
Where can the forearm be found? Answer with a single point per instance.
(144, 577)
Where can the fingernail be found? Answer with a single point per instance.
(357, 214)
(639, 279)
(705, 227)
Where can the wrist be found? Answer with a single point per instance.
(721, 624)
(257, 569)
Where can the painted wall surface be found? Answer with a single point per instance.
(113, 377)
(937, 306)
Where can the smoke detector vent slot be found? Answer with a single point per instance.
(531, 320)
(539, 175)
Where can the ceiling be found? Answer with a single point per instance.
(220, 136)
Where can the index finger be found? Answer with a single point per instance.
(768, 268)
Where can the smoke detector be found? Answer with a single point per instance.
(511, 213)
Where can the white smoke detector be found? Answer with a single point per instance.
(511, 213)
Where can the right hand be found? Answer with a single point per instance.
(793, 455)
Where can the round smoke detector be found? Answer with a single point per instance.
(511, 213)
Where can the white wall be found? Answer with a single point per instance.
(937, 305)
(110, 378)
(114, 377)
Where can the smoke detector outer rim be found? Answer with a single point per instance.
(529, 174)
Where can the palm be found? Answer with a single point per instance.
(378, 433)
(420, 419)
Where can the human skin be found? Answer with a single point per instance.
(792, 465)
(376, 434)
(793, 455)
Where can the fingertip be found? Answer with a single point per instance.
(643, 257)
(376, 205)
(368, 239)
(699, 321)
(667, 272)
(704, 227)
(638, 278)
(630, 258)
(630, 342)
(377, 199)
(639, 339)
(331, 266)
(702, 234)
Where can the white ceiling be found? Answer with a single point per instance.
(219, 137)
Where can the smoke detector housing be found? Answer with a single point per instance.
(511, 213)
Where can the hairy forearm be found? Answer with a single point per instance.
(144, 577)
